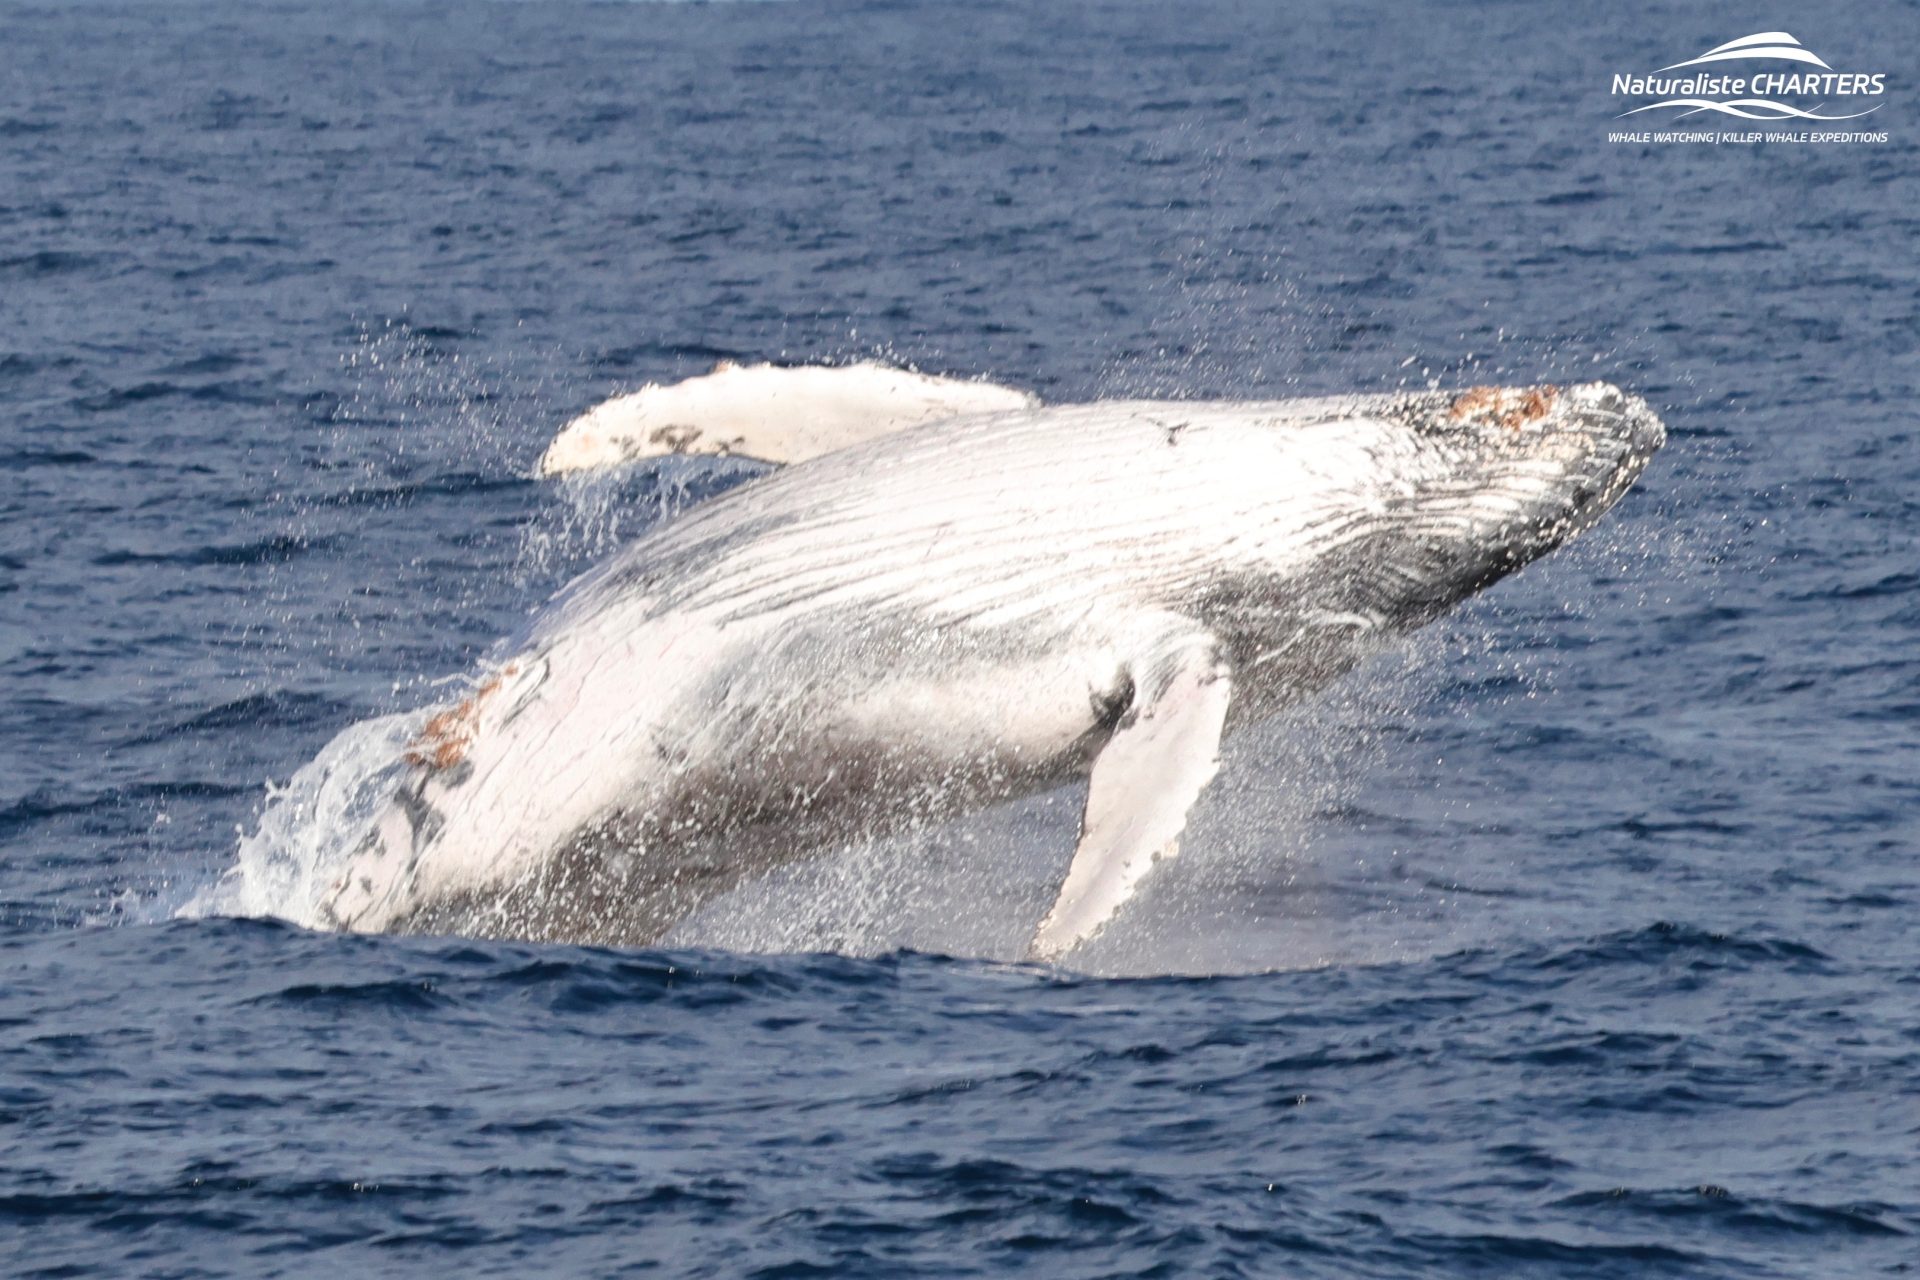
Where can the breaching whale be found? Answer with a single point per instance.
(957, 613)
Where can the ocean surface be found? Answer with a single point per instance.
(1573, 938)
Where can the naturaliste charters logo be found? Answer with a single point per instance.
(1744, 79)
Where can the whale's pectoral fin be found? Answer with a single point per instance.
(1145, 779)
(769, 414)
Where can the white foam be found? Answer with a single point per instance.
(767, 412)
(310, 828)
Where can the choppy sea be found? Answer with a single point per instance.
(1574, 938)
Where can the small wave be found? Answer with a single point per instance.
(274, 550)
(209, 364)
(242, 392)
(21, 459)
(1754, 1215)
(1489, 1252)
(15, 364)
(41, 806)
(279, 708)
(401, 995)
(47, 262)
(455, 484)
(1664, 942)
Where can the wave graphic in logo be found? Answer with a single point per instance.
(1745, 108)
(1761, 44)
(1755, 93)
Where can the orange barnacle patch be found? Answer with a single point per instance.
(1473, 400)
(1510, 408)
(1536, 404)
(443, 741)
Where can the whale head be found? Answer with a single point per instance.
(1515, 472)
(1416, 502)
(1527, 468)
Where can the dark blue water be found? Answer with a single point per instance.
(1574, 940)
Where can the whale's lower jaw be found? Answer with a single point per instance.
(985, 609)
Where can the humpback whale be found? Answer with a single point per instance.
(945, 615)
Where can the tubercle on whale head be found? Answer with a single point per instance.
(1512, 407)
(1581, 430)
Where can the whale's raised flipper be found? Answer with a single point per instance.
(1165, 751)
(769, 413)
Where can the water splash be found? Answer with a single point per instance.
(309, 829)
